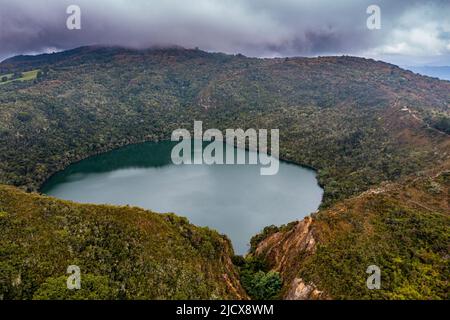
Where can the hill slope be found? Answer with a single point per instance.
(332, 112)
(404, 229)
(122, 252)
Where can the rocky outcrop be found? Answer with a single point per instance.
(284, 250)
(296, 241)
(299, 290)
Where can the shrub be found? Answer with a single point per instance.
(264, 286)
(92, 288)
(443, 124)
(259, 283)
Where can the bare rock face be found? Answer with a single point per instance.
(283, 250)
(299, 290)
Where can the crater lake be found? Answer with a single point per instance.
(232, 199)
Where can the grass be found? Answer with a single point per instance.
(26, 76)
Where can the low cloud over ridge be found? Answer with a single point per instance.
(412, 31)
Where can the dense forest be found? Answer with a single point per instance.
(359, 122)
(124, 252)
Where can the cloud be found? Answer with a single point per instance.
(410, 28)
(422, 31)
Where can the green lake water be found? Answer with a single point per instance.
(233, 199)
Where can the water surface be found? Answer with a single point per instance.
(233, 199)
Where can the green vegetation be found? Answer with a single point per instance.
(267, 232)
(408, 245)
(443, 124)
(404, 230)
(258, 281)
(263, 285)
(19, 76)
(123, 252)
(30, 75)
(92, 288)
(357, 121)
(339, 115)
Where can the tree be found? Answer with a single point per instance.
(17, 75)
(4, 79)
(259, 283)
(443, 124)
(263, 286)
(92, 288)
(45, 70)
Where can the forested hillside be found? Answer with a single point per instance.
(404, 229)
(359, 122)
(122, 252)
(333, 112)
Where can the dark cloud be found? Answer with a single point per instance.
(411, 30)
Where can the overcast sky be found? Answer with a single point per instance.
(412, 32)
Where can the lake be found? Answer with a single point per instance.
(232, 199)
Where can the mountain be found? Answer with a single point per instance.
(361, 123)
(442, 72)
